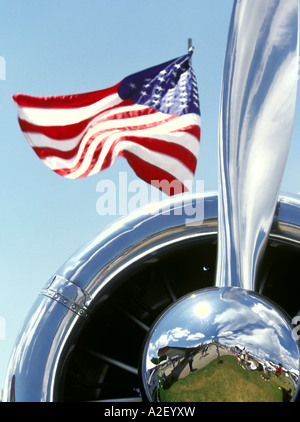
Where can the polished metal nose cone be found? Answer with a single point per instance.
(221, 344)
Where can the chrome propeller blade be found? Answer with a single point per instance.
(230, 325)
(256, 118)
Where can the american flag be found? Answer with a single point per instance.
(152, 118)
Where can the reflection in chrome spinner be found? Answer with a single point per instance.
(221, 344)
(256, 119)
(50, 333)
(51, 330)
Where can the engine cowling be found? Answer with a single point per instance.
(84, 336)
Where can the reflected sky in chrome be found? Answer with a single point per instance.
(233, 317)
(257, 108)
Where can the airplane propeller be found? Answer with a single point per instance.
(255, 124)
(257, 110)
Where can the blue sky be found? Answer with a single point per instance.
(72, 46)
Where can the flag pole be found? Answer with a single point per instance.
(190, 45)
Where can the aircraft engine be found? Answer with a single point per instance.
(166, 306)
(85, 335)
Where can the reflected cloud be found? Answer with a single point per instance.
(248, 332)
(171, 336)
(196, 336)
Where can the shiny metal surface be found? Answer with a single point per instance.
(50, 332)
(221, 344)
(40, 351)
(256, 119)
(91, 275)
(141, 234)
(254, 83)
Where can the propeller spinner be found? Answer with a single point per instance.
(228, 343)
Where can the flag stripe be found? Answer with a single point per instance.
(101, 149)
(178, 152)
(88, 148)
(117, 116)
(158, 153)
(67, 116)
(176, 168)
(67, 149)
(157, 131)
(191, 146)
(154, 175)
(96, 135)
(64, 101)
(106, 128)
(58, 133)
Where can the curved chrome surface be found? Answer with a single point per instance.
(55, 321)
(221, 344)
(87, 278)
(142, 234)
(48, 330)
(256, 119)
(93, 273)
